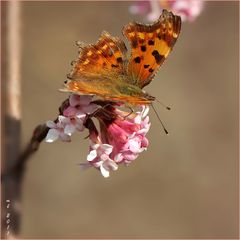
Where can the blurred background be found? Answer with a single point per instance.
(186, 184)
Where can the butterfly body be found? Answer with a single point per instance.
(115, 89)
(105, 70)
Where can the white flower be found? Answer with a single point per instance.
(64, 128)
(99, 158)
(56, 131)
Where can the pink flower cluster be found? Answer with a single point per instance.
(189, 10)
(120, 139)
(73, 118)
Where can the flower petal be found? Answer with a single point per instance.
(74, 100)
(92, 155)
(85, 99)
(53, 134)
(104, 171)
(70, 111)
(128, 157)
(107, 148)
(51, 124)
(80, 115)
(94, 145)
(69, 129)
(138, 119)
(80, 127)
(91, 108)
(63, 119)
(145, 111)
(134, 146)
(112, 165)
(118, 158)
(64, 137)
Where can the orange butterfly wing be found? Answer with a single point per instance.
(98, 67)
(150, 44)
(103, 68)
(107, 56)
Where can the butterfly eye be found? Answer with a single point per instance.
(65, 82)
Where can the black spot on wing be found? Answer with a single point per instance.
(143, 48)
(134, 43)
(157, 56)
(119, 60)
(137, 59)
(150, 42)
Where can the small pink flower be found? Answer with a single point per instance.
(187, 9)
(57, 130)
(99, 158)
(64, 128)
(74, 118)
(136, 144)
(75, 123)
(143, 120)
(142, 7)
(80, 105)
(127, 136)
(155, 10)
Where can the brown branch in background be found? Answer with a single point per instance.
(12, 184)
(12, 179)
(11, 125)
(39, 135)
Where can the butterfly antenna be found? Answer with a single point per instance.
(165, 130)
(167, 107)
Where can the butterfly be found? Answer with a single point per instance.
(104, 69)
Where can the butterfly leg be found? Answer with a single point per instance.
(103, 112)
(129, 113)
